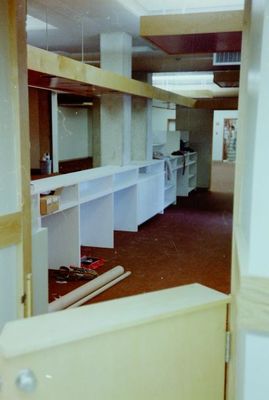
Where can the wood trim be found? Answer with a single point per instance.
(10, 229)
(18, 54)
(194, 23)
(55, 65)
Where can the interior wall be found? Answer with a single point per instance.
(218, 124)
(74, 132)
(199, 123)
(161, 115)
(40, 124)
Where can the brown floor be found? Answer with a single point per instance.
(190, 242)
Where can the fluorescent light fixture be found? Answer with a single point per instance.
(188, 6)
(193, 84)
(35, 24)
(182, 78)
(142, 49)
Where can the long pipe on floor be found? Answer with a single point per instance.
(84, 290)
(101, 290)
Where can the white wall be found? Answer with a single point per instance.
(218, 123)
(74, 132)
(160, 116)
(254, 370)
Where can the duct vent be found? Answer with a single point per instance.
(227, 58)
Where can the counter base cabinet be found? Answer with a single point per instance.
(63, 237)
(40, 271)
(96, 222)
(125, 209)
(150, 197)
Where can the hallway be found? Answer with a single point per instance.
(190, 242)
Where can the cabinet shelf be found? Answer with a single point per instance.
(62, 207)
(192, 162)
(147, 176)
(98, 195)
(118, 188)
(170, 186)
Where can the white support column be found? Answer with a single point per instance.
(116, 52)
(115, 115)
(141, 139)
(115, 127)
(141, 129)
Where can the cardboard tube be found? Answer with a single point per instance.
(84, 290)
(101, 290)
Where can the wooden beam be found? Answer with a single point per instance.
(73, 72)
(10, 229)
(194, 23)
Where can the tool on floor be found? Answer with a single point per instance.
(73, 273)
(91, 262)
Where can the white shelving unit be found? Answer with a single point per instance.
(170, 182)
(94, 203)
(186, 173)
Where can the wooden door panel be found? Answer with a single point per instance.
(161, 345)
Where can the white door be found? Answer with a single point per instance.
(15, 225)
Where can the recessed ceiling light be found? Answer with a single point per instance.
(35, 24)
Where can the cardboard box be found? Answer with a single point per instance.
(49, 204)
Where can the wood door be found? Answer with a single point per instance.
(15, 229)
(160, 345)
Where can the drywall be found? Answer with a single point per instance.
(161, 114)
(255, 371)
(199, 123)
(218, 125)
(74, 132)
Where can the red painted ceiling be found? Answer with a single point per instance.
(198, 43)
